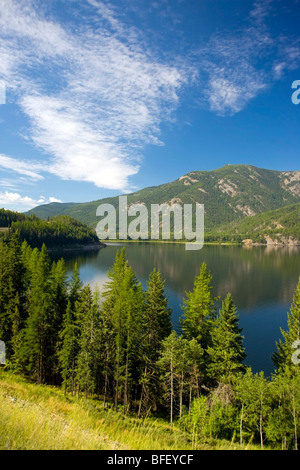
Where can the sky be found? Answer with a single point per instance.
(104, 97)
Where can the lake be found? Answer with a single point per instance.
(262, 281)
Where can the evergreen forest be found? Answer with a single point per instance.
(119, 347)
(60, 231)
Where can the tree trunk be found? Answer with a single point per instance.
(172, 394)
(142, 393)
(241, 425)
(117, 379)
(126, 384)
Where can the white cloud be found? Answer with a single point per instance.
(54, 199)
(233, 76)
(15, 201)
(94, 99)
(12, 198)
(260, 10)
(239, 65)
(27, 168)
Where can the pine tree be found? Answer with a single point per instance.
(88, 357)
(122, 312)
(113, 319)
(226, 353)
(156, 327)
(34, 348)
(67, 352)
(59, 301)
(12, 290)
(285, 358)
(199, 309)
(75, 286)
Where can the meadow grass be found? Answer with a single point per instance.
(40, 417)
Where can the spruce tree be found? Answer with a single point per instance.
(88, 356)
(286, 357)
(156, 327)
(67, 352)
(199, 309)
(12, 291)
(36, 338)
(122, 313)
(59, 300)
(226, 353)
(75, 286)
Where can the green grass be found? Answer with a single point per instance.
(39, 417)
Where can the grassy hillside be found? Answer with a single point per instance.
(229, 194)
(39, 417)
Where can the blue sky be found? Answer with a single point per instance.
(106, 97)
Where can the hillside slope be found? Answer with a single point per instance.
(272, 227)
(229, 194)
(41, 417)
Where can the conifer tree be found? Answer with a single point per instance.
(113, 319)
(34, 348)
(286, 357)
(59, 300)
(75, 286)
(226, 353)
(199, 309)
(88, 357)
(12, 290)
(67, 352)
(156, 327)
(122, 312)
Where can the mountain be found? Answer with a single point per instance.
(230, 194)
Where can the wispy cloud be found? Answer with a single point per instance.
(29, 168)
(239, 65)
(93, 100)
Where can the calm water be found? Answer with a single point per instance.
(261, 280)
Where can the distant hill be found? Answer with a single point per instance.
(61, 231)
(51, 210)
(230, 194)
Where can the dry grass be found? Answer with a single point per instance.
(38, 417)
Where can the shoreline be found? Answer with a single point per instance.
(78, 248)
(181, 242)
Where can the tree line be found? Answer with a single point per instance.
(57, 231)
(119, 346)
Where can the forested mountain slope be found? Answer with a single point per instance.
(229, 194)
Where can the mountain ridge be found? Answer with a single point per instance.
(229, 194)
